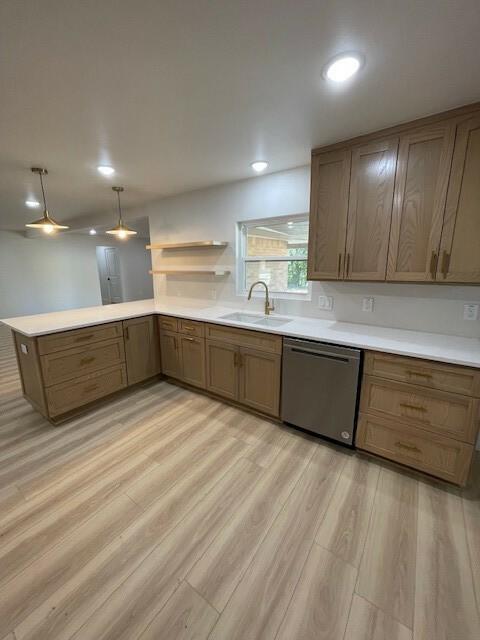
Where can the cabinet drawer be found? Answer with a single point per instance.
(424, 373)
(168, 323)
(191, 328)
(71, 395)
(437, 455)
(245, 338)
(78, 337)
(67, 365)
(437, 411)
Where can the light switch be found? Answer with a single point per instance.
(325, 302)
(470, 311)
(368, 304)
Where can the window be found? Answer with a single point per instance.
(274, 250)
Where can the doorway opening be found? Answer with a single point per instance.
(109, 272)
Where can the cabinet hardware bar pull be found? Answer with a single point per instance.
(445, 264)
(189, 339)
(433, 264)
(348, 265)
(127, 335)
(87, 337)
(92, 387)
(419, 374)
(413, 406)
(86, 360)
(339, 264)
(408, 447)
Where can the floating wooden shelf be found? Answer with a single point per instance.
(189, 245)
(213, 272)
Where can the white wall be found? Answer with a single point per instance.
(212, 214)
(38, 275)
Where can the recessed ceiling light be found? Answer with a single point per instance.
(343, 67)
(92, 232)
(259, 165)
(105, 170)
(32, 204)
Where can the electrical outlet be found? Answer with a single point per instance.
(470, 311)
(325, 303)
(368, 304)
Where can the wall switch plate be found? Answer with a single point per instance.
(470, 311)
(368, 304)
(325, 303)
(23, 348)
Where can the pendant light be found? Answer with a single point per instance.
(46, 224)
(121, 230)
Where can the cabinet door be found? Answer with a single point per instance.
(222, 377)
(193, 360)
(460, 246)
(370, 209)
(141, 348)
(171, 354)
(260, 380)
(423, 168)
(330, 177)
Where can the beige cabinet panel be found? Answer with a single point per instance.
(330, 178)
(259, 384)
(170, 354)
(370, 209)
(222, 372)
(460, 247)
(78, 337)
(423, 169)
(193, 360)
(142, 352)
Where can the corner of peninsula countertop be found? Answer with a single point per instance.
(416, 344)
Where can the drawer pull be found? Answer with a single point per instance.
(428, 376)
(189, 339)
(87, 360)
(81, 338)
(188, 327)
(92, 387)
(408, 447)
(339, 264)
(413, 406)
(433, 265)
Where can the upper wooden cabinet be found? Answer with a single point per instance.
(142, 353)
(423, 168)
(370, 209)
(460, 245)
(328, 214)
(404, 202)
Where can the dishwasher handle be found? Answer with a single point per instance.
(319, 354)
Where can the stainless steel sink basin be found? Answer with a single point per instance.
(250, 318)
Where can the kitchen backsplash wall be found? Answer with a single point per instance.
(212, 214)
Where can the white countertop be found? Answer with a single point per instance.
(419, 344)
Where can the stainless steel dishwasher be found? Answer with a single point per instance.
(319, 388)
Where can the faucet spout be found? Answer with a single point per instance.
(268, 307)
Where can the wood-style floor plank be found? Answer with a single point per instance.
(367, 622)
(387, 571)
(322, 598)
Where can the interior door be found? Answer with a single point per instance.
(141, 348)
(370, 209)
(259, 384)
(112, 274)
(328, 214)
(423, 169)
(170, 354)
(193, 360)
(460, 244)
(222, 362)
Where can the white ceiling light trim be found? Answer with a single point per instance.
(259, 165)
(105, 170)
(32, 204)
(343, 66)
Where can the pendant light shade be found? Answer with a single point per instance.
(47, 224)
(121, 230)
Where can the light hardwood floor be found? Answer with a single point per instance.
(166, 515)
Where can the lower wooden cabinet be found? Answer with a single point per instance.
(170, 354)
(222, 377)
(142, 353)
(192, 356)
(259, 380)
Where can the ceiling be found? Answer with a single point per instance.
(181, 95)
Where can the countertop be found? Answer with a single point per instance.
(419, 344)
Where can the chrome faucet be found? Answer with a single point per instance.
(268, 307)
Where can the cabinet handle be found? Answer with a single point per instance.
(445, 264)
(348, 265)
(413, 406)
(81, 338)
(92, 387)
(189, 339)
(419, 374)
(408, 447)
(339, 264)
(188, 327)
(86, 360)
(127, 335)
(433, 264)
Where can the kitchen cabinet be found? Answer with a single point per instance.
(222, 361)
(170, 354)
(259, 380)
(330, 183)
(460, 246)
(423, 169)
(370, 209)
(141, 348)
(192, 355)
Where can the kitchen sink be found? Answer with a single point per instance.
(250, 318)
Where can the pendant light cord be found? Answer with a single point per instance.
(43, 193)
(119, 208)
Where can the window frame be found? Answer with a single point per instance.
(242, 258)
